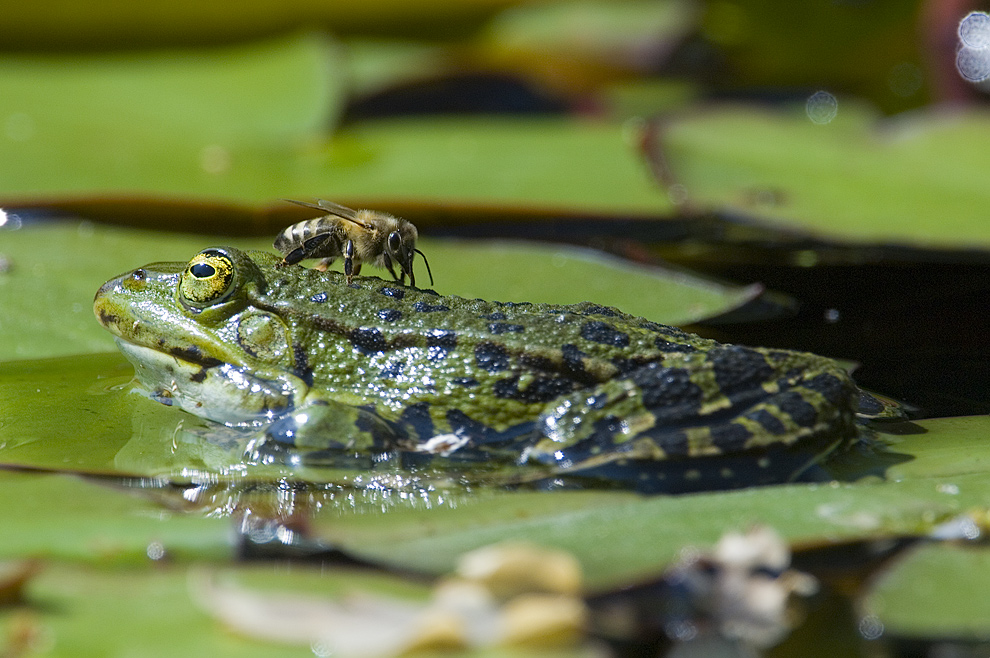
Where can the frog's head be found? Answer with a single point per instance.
(181, 323)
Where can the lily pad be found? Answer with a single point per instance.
(620, 538)
(534, 272)
(376, 64)
(508, 162)
(73, 609)
(61, 517)
(55, 269)
(935, 591)
(83, 610)
(249, 124)
(204, 122)
(915, 180)
(945, 447)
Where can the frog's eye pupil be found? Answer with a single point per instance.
(394, 241)
(202, 270)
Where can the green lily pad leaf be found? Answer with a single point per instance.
(620, 537)
(172, 609)
(54, 270)
(79, 610)
(248, 124)
(916, 181)
(205, 122)
(945, 447)
(935, 591)
(55, 516)
(563, 164)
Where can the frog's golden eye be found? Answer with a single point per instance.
(207, 279)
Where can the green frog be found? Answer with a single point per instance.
(319, 366)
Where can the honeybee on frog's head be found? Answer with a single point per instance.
(357, 236)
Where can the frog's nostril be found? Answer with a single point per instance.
(104, 289)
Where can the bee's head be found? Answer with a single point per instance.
(401, 247)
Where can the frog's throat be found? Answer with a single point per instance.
(212, 389)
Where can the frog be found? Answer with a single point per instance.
(316, 365)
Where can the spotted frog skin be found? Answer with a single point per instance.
(375, 365)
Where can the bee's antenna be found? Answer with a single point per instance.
(427, 264)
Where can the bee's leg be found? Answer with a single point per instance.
(292, 258)
(323, 265)
(349, 271)
(387, 261)
(309, 249)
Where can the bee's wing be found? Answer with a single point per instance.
(336, 209)
(333, 208)
(304, 204)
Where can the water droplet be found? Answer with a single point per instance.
(681, 630)
(974, 30)
(155, 550)
(821, 107)
(973, 64)
(870, 627)
(832, 315)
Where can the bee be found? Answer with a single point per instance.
(359, 236)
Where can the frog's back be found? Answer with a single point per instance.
(589, 341)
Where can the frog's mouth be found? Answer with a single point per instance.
(208, 388)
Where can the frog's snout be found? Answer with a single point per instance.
(103, 306)
(104, 289)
